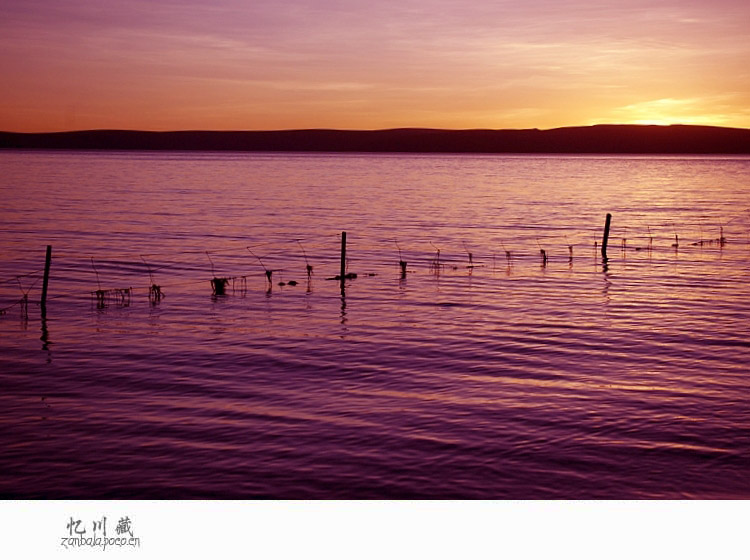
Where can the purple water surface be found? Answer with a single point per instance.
(475, 376)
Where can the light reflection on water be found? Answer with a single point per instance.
(507, 380)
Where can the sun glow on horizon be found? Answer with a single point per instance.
(656, 122)
(671, 111)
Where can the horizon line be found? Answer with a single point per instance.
(416, 128)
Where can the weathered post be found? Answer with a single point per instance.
(343, 257)
(606, 236)
(45, 283)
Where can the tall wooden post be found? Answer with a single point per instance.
(606, 236)
(45, 283)
(343, 257)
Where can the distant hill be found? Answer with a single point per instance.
(611, 139)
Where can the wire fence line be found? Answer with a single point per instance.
(239, 260)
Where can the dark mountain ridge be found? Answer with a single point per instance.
(611, 139)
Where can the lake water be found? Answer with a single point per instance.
(483, 372)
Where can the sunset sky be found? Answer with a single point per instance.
(266, 64)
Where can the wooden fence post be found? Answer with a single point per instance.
(343, 257)
(606, 236)
(45, 283)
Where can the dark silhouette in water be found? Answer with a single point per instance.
(605, 238)
(308, 266)
(154, 291)
(219, 286)
(401, 262)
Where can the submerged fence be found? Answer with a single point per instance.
(434, 260)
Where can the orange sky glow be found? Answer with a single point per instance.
(239, 65)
